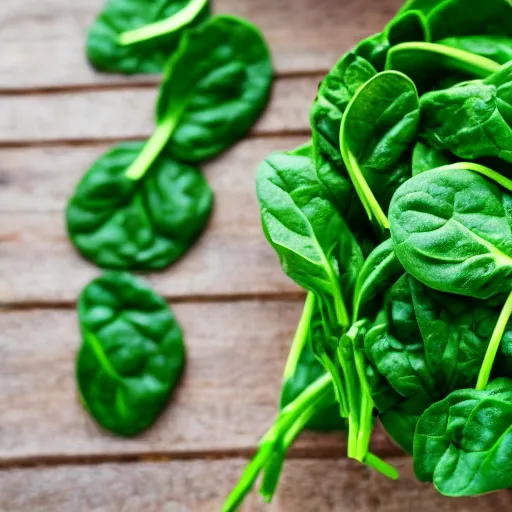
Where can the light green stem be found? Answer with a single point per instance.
(381, 466)
(151, 150)
(286, 420)
(301, 337)
(163, 27)
(494, 344)
(480, 169)
(460, 59)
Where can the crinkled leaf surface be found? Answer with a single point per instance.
(144, 224)
(472, 120)
(215, 87)
(452, 230)
(132, 353)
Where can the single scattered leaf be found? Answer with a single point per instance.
(106, 53)
(132, 353)
(143, 224)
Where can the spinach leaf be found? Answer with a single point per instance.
(495, 47)
(452, 231)
(462, 443)
(381, 269)
(409, 26)
(303, 369)
(132, 353)
(306, 231)
(434, 66)
(214, 88)
(378, 128)
(334, 95)
(143, 224)
(472, 120)
(107, 53)
(425, 158)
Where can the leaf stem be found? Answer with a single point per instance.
(381, 466)
(301, 337)
(96, 347)
(460, 59)
(163, 27)
(494, 343)
(480, 169)
(285, 423)
(151, 150)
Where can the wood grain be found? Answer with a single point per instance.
(128, 113)
(38, 264)
(201, 486)
(226, 401)
(43, 41)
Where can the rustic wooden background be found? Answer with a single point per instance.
(236, 306)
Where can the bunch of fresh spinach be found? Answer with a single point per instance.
(142, 205)
(397, 220)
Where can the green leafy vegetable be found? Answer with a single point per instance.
(142, 224)
(463, 443)
(425, 158)
(107, 53)
(472, 120)
(378, 128)
(452, 231)
(495, 47)
(204, 108)
(132, 353)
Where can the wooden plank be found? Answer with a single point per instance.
(128, 113)
(43, 41)
(226, 401)
(38, 263)
(201, 486)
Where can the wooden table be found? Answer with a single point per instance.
(236, 306)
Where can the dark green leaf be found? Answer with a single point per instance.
(149, 223)
(495, 47)
(214, 87)
(452, 230)
(473, 119)
(104, 50)
(425, 158)
(132, 353)
(378, 129)
(464, 442)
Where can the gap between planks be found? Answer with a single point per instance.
(299, 296)
(134, 82)
(147, 457)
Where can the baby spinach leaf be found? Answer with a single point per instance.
(105, 51)
(306, 230)
(334, 95)
(378, 128)
(132, 353)
(425, 158)
(452, 231)
(204, 108)
(409, 26)
(463, 443)
(381, 269)
(143, 224)
(472, 120)
(441, 66)
(495, 47)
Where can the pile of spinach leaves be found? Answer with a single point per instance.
(142, 205)
(396, 219)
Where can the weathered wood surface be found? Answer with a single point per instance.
(43, 41)
(200, 486)
(128, 113)
(38, 264)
